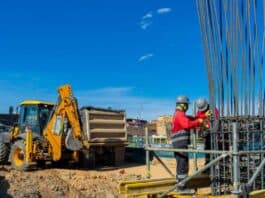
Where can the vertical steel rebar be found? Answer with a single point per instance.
(194, 141)
(233, 34)
(236, 173)
(147, 154)
(262, 147)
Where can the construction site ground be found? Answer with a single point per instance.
(73, 182)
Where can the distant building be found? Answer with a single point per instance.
(164, 125)
(8, 119)
(136, 126)
(152, 127)
(161, 126)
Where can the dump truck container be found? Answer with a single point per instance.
(105, 130)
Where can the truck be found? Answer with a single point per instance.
(105, 130)
(61, 132)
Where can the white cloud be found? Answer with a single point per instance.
(163, 10)
(116, 97)
(147, 19)
(112, 90)
(145, 57)
(148, 15)
(123, 98)
(145, 24)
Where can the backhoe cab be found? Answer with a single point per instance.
(33, 118)
(34, 114)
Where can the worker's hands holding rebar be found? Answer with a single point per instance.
(203, 123)
(200, 121)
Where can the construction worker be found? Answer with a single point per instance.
(180, 136)
(205, 113)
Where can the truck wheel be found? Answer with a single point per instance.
(4, 151)
(18, 156)
(87, 159)
(118, 155)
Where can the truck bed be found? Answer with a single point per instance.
(103, 126)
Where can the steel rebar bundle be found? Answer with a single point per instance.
(233, 38)
(233, 35)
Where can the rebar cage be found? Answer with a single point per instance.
(250, 145)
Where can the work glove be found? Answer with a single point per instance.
(200, 121)
(208, 113)
(207, 125)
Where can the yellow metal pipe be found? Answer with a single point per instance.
(123, 184)
(257, 194)
(154, 187)
(150, 187)
(28, 145)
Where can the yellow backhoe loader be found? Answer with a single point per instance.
(46, 131)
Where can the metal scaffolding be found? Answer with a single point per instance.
(237, 161)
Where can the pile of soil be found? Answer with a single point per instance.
(56, 182)
(71, 182)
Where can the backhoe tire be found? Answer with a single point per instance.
(18, 156)
(4, 152)
(41, 163)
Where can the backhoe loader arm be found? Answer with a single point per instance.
(71, 110)
(65, 110)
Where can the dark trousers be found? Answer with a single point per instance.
(182, 168)
(180, 140)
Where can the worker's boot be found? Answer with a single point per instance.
(185, 191)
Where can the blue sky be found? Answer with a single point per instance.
(133, 55)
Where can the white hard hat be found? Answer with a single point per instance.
(202, 104)
(182, 100)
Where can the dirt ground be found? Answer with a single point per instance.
(63, 182)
